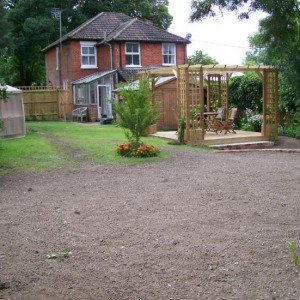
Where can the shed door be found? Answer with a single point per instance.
(104, 101)
(168, 110)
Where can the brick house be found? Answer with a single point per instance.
(106, 49)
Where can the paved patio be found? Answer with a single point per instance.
(211, 138)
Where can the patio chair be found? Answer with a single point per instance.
(229, 124)
(215, 124)
(80, 113)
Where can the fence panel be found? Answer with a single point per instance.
(65, 104)
(47, 104)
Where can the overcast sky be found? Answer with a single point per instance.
(224, 38)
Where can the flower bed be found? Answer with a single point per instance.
(137, 150)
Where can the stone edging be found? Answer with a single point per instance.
(260, 150)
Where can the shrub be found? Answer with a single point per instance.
(291, 131)
(246, 91)
(136, 111)
(137, 150)
(252, 121)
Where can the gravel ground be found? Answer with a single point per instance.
(199, 225)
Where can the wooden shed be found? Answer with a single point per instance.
(165, 94)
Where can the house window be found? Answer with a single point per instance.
(88, 55)
(168, 53)
(57, 58)
(132, 53)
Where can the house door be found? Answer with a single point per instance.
(104, 101)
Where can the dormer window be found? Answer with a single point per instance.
(133, 55)
(169, 54)
(88, 55)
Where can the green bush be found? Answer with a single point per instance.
(136, 111)
(251, 121)
(291, 131)
(246, 92)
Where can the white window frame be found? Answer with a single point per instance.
(133, 53)
(167, 54)
(57, 57)
(88, 44)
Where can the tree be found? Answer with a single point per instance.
(136, 111)
(153, 10)
(246, 92)
(201, 58)
(276, 43)
(207, 8)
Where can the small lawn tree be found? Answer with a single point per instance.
(136, 111)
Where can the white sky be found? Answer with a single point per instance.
(224, 38)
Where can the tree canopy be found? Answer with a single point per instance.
(201, 58)
(276, 43)
(27, 26)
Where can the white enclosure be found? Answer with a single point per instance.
(12, 114)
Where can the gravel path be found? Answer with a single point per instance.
(199, 225)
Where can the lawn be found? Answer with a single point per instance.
(49, 144)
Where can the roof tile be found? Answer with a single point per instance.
(120, 27)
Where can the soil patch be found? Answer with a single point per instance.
(200, 225)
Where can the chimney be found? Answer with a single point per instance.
(149, 22)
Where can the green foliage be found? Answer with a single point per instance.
(181, 128)
(207, 8)
(7, 73)
(276, 43)
(293, 249)
(136, 111)
(292, 130)
(201, 58)
(156, 11)
(246, 92)
(137, 150)
(251, 121)
(3, 93)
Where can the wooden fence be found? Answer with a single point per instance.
(47, 104)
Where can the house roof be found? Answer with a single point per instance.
(93, 77)
(112, 26)
(135, 84)
(131, 74)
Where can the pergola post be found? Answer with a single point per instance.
(270, 104)
(187, 102)
(227, 97)
(208, 92)
(201, 80)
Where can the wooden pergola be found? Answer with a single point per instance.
(190, 95)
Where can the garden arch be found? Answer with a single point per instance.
(190, 95)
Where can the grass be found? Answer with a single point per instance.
(32, 153)
(49, 144)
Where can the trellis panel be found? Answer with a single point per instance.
(270, 104)
(217, 91)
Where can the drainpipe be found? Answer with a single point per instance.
(111, 56)
(110, 50)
